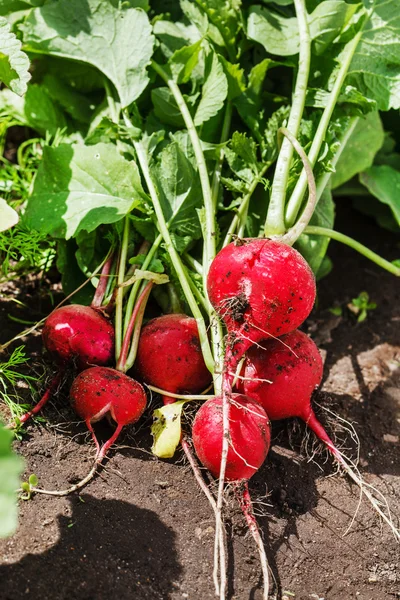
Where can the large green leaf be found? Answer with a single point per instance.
(383, 182)
(215, 91)
(11, 467)
(226, 16)
(81, 187)
(359, 152)
(314, 247)
(14, 64)
(375, 68)
(280, 35)
(115, 39)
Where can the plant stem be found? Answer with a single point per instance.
(210, 224)
(216, 180)
(103, 282)
(141, 303)
(209, 238)
(296, 198)
(120, 293)
(136, 286)
(275, 222)
(136, 335)
(348, 241)
(175, 259)
(294, 232)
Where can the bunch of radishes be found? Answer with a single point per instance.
(262, 290)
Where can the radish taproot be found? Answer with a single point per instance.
(249, 442)
(96, 393)
(281, 376)
(169, 356)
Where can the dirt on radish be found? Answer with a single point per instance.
(118, 535)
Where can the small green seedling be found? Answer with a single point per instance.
(360, 306)
(26, 487)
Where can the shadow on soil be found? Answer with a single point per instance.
(107, 549)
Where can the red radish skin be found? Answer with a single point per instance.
(170, 357)
(294, 368)
(249, 435)
(79, 334)
(99, 391)
(260, 288)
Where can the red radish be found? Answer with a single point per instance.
(79, 334)
(99, 391)
(281, 376)
(249, 436)
(249, 440)
(170, 357)
(260, 288)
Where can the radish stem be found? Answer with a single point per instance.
(103, 282)
(348, 241)
(44, 399)
(120, 292)
(296, 198)
(275, 223)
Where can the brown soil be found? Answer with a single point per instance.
(142, 529)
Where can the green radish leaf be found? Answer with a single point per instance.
(360, 150)
(314, 247)
(375, 68)
(74, 103)
(174, 36)
(72, 276)
(81, 187)
(179, 185)
(14, 64)
(97, 32)
(246, 149)
(166, 108)
(235, 77)
(183, 61)
(36, 110)
(33, 480)
(166, 429)
(11, 467)
(8, 216)
(226, 17)
(280, 35)
(214, 92)
(383, 182)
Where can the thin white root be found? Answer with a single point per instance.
(246, 505)
(221, 548)
(73, 488)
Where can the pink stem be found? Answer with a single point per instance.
(105, 447)
(315, 426)
(94, 438)
(44, 399)
(125, 344)
(102, 285)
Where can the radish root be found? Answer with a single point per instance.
(243, 495)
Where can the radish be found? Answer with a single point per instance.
(170, 357)
(98, 392)
(80, 335)
(249, 441)
(249, 436)
(281, 376)
(260, 288)
(74, 335)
